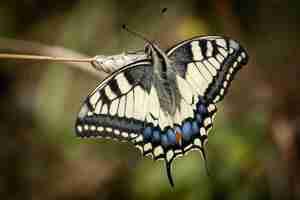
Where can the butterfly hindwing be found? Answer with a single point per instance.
(208, 64)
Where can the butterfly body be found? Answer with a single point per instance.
(164, 104)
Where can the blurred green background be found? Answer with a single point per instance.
(254, 147)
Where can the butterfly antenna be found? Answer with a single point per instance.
(168, 165)
(159, 23)
(135, 33)
(125, 27)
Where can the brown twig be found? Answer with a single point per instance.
(54, 53)
(99, 65)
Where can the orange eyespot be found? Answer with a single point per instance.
(178, 137)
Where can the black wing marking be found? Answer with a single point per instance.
(208, 63)
(116, 108)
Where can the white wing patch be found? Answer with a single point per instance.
(94, 98)
(195, 77)
(222, 43)
(220, 58)
(139, 98)
(98, 107)
(123, 83)
(122, 109)
(210, 68)
(129, 106)
(109, 93)
(215, 63)
(204, 72)
(209, 47)
(184, 111)
(113, 107)
(104, 109)
(164, 119)
(223, 52)
(196, 51)
(185, 90)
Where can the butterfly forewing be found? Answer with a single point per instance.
(115, 109)
(208, 64)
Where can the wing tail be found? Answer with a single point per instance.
(169, 173)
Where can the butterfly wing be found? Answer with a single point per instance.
(208, 64)
(131, 105)
(117, 107)
(205, 67)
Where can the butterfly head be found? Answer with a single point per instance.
(148, 48)
(152, 48)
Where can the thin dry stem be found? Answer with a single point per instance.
(54, 53)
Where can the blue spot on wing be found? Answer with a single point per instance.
(201, 109)
(199, 118)
(187, 131)
(195, 128)
(164, 140)
(156, 136)
(147, 134)
(171, 137)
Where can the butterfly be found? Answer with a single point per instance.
(164, 104)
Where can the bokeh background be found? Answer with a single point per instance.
(254, 147)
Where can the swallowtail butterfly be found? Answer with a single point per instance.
(164, 104)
